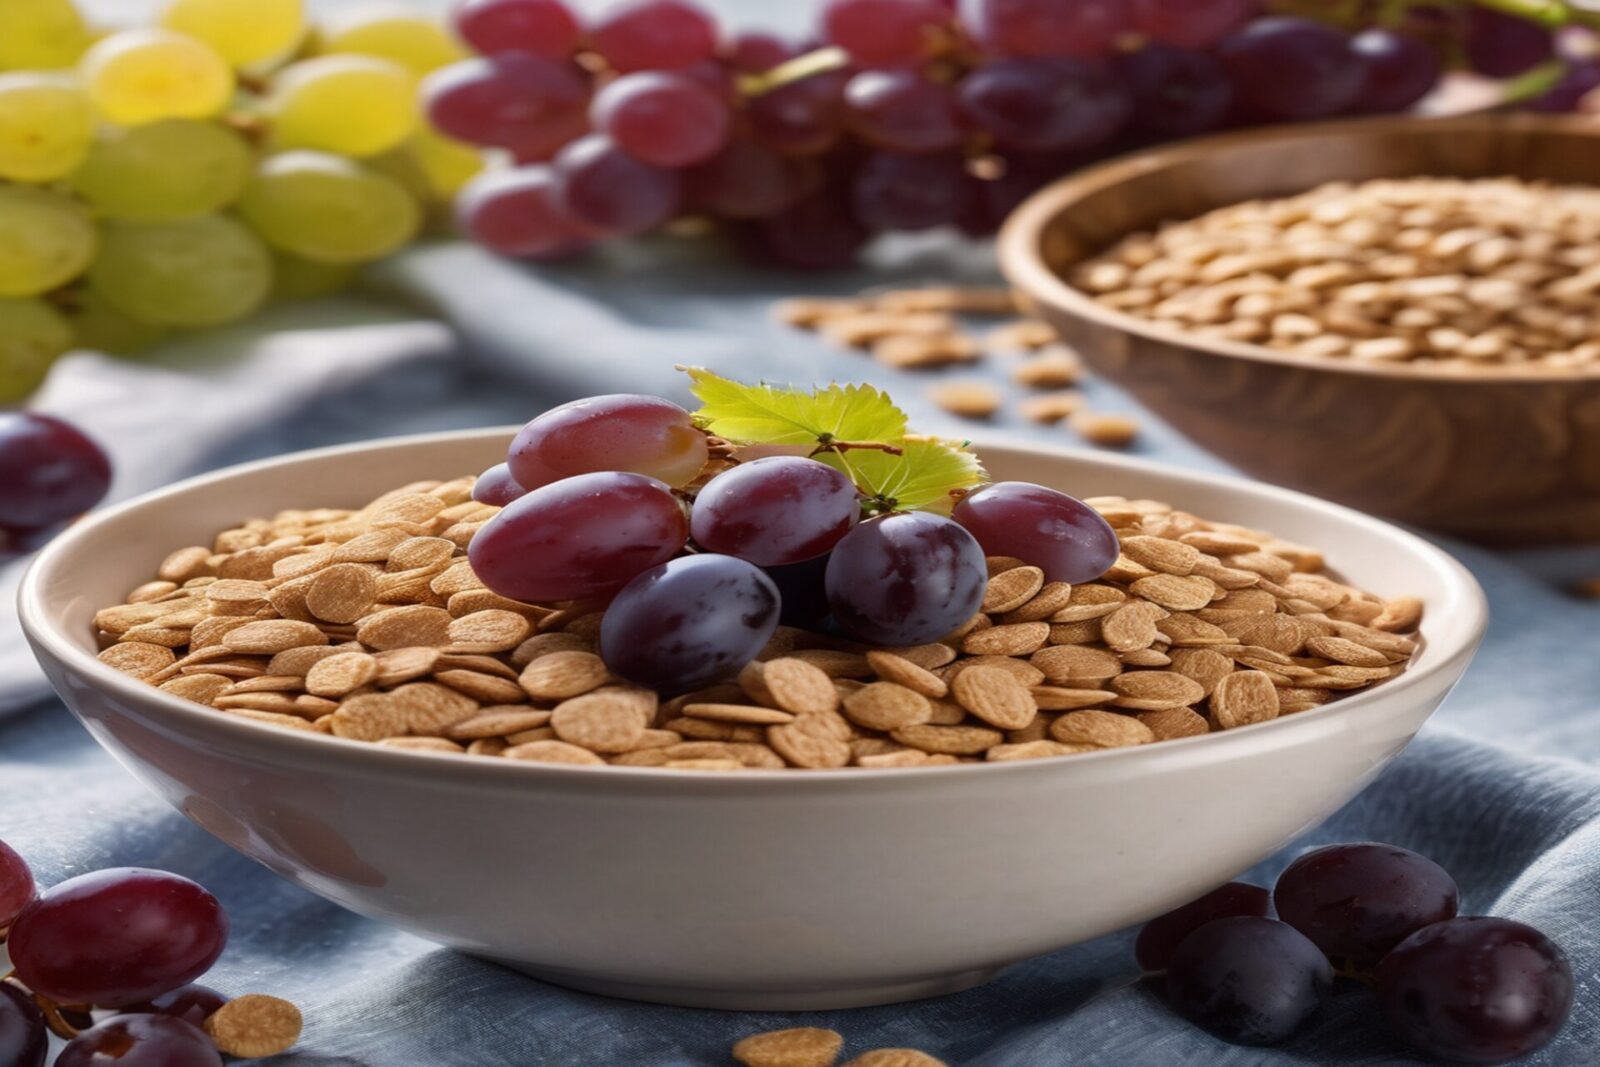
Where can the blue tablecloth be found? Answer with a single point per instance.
(1502, 788)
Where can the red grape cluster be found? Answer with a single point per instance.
(50, 473)
(602, 497)
(126, 939)
(901, 115)
(1472, 990)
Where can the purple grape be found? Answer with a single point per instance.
(757, 53)
(631, 432)
(605, 189)
(20, 541)
(902, 111)
(800, 118)
(194, 1004)
(905, 579)
(1049, 28)
(655, 35)
(688, 623)
(497, 486)
(896, 192)
(1190, 23)
(540, 27)
(662, 118)
(1176, 92)
(1581, 78)
(1498, 45)
(141, 1041)
(805, 598)
(882, 33)
(1063, 536)
(1161, 936)
(1292, 68)
(1248, 980)
(991, 201)
(775, 511)
(748, 181)
(1042, 105)
(1476, 990)
(16, 886)
(717, 78)
(817, 233)
(514, 212)
(1400, 70)
(50, 472)
(23, 1041)
(1356, 902)
(517, 101)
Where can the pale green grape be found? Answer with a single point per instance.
(46, 240)
(243, 32)
(445, 163)
(352, 105)
(46, 126)
(415, 41)
(193, 272)
(294, 278)
(146, 75)
(101, 326)
(41, 34)
(165, 170)
(33, 335)
(329, 209)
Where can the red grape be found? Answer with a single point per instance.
(605, 189)
(1161, 936)
(688, 623)
(717, 78)
(1356, 902)
(1045, 104)
(517, 101)
(1063, 536)
(899, 192)
(882, 33)
(1050, 28)
(540, 27)
(818, 233)
(1248, 980)
(1176, 92)
(1499, 45)
(615, 432)
(666, 119)
(194, 1004)
(496, 486)
(513, 212)
(50, 472)
(901, 111)
(748, 181)
(16, 886)
(905, 579)
(141, 1041)
(757, 53)
(1292, 68)
(800, 118)
(1400, 70)
(1190, 24)
(775, 511)
(579, 538)
(117, 936)
(23, 1041)
(655, 35)
(1476, 990)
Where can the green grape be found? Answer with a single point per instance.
(294, 278)
(33, 335)
(192, 272)
(46, 126)
(352, 105)
(41, 34)
(329, 209)
(146, 75)
(164, 170)
(445, 163)
(46, 240)
(414, 41)
(243, 32)
(101, 326)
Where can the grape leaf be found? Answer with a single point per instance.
(920, 478)
(772, 415)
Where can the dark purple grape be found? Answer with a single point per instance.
(1400, 70)
(1286, 67)
(513, 100)
(1059, 534)
(23, 1041)
(1049, 28)
(991, 200)
(800, 118)
(655, 35)
(1176, 92)
(1498, 45)
(902, 111)
(16, 886)
(688, 623)
(747, 180)
(1476, 990)
(804, 594)
(905, 579)
(1248, 980)
(1582, 77)
(50, 472)
(775, 511)
(194, 1004)
(606, 190)
(117, 936)
(1190, 23)
(579, 538)
(497, 486)
(1161, 936)
(19, 541)
(897, 192)
(141, 1041)
(818, 233)
(1041, 105)
(1356, 902)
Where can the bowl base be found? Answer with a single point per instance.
(800, 998)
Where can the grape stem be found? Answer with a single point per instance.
(48, 1008)
(830, 445)
(799, 68)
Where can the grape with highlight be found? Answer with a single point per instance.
(141, 1041)
(654, 35)
(884, 33)
(164, 170)
(46, 126)
(496, 486)
(515, 213)
(775, 511)
(605, 189)
(1066, 538)
(244, 34)
(615, 432)
(905, 579)
(663, 118)
(50, 473)
(203, 271)
(525, 103)
(1248, 980)
(328, 208)
(355, 105)
(137, 76)
(539, 27)
(414, 41)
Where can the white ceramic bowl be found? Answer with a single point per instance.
(781, 890)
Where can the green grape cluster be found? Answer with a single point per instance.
(180, 175)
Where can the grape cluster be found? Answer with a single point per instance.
(182, 174)
(50, 473)
(623, 501)
(901, 115)
(127, 939)
(1471, 990)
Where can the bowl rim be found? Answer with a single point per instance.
(43, 631)
(1019, 244)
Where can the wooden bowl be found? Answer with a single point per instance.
(1505, 455)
